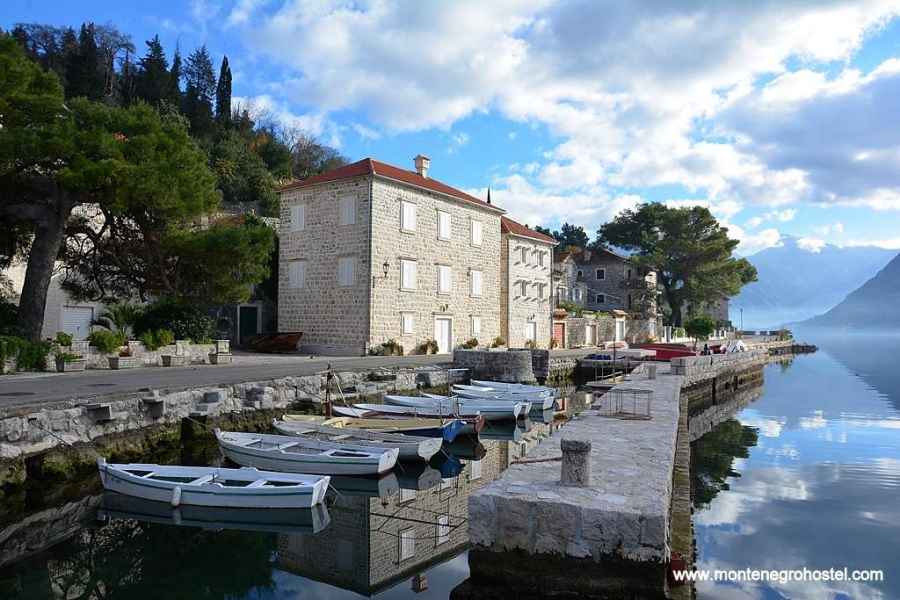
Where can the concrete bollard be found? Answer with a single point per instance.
(576, 462)
(651, 371)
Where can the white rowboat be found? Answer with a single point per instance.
(512, 387)
(410, 447)
(297, 455)
(490, 410)
(538, 402)
(211, 486)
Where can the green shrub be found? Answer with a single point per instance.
(106, 341)
(531, 344)
(119, 316)
(700, 327)
(498, 342)
(472, 343)
(392, 348)
(63, 338)
(185, 322)
(66, 357)
(29, 356)
(428, 347)
(154, 340)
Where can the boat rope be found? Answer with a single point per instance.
(529, 461)
(88, 445)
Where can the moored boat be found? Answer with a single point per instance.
(382, 411)
(410, 447)
(213, 486)
(539, 402)
(445, 429)
(491, 410)
(297, 455)
(499, 385)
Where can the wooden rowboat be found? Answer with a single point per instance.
(410, 447)
(447, 430)
(297, 455)
(212, 486)
(539, 402)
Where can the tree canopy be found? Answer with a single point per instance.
(687, 247)
(567, 236)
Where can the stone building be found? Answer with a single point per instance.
(526, 288)
(370, 252)
(599, 280)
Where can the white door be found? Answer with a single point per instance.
(76, 321)
(620, 330)
(530, 332)
(443, 334)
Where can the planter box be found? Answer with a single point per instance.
(71, 366)
(173, 360)
(124, 362)
(219, 359)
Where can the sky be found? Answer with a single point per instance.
(781, 116)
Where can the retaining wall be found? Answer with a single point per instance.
(509, 366)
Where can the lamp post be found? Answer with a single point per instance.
(742, 318)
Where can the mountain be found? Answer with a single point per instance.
(796, 282)
(875, 305)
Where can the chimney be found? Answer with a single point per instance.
(422, 164)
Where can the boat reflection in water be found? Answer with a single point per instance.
(120, 506)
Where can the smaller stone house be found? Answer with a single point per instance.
(599, 280)
(526, 287)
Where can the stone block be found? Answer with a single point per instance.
(214, 396)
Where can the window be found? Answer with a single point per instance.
(475, 471)
(628, 274)
(601, 299)
(561, 294)
(476, 233)
(476, 283)
(629, 300)
(298, 217)
(443, 529)
(576, 294)
(444, 225)
(407, 544)
(348, 210)
(407, 216)
(524, 289)
(407, 323)
(407, 495)
(540, 259)
(346, 271)
(444, 279)
(297, 274)
(524, 252)
(601, 274)
(531, 331)
(407, 274)
(580, 273)
(476, 326)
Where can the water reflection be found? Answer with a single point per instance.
(818, 486)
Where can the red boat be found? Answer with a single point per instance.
(667, 352)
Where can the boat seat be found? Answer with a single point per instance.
(288, 445)
(343, 436)
(258, 483)
(148, 475)
(202, 480)
(251, 442)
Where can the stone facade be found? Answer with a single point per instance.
(598, 280)
(343, 314)
(526, 294)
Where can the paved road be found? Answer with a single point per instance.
(36, 388)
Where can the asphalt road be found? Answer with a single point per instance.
(38, 388)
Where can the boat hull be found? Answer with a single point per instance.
(217, 495)
(496, 411)
(411, 448)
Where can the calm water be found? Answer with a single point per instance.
(403, 535)
(808, 475)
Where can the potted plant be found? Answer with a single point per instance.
(219, 358)
(68, 362)
(124, 360)
(498, 344)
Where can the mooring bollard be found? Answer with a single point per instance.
(651, 371)
(576, 462)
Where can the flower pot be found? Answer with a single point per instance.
(173, 360)
(124, 362)
(71, 366)
(219, 359)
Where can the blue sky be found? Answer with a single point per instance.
(780, 116)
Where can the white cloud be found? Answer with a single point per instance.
(890, 244)
(457, 141)
(783, 216)
(242, 11)
(644, 93)
(364, 132)
(811, 244)
(266, 107)
(829, 228)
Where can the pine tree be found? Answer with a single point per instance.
(69, 60)
(126, 82)
(84, 71)
(152, 80)
(223, 94)
(173, 91)
(201, 88)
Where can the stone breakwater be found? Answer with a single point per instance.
(613, 536)
(127, 424)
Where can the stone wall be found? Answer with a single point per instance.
(534, 305)
(511, 366)
(391, 244)
(193, 353)
(334, 319)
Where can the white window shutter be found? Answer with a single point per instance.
(298, 217)
(346, 270)
(408, 274)
(476, 283)
(476, 233)
(407, 324)
(476, 326)
(444, 225)
(297, 274)
(444, 279)
(348, 210)
(407, 216)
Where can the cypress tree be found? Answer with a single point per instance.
(84, 73)
(173, 91)
(152, 80)
(223, 94)
(200, 91)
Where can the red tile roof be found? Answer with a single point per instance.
(368, 166)
(509, 226)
